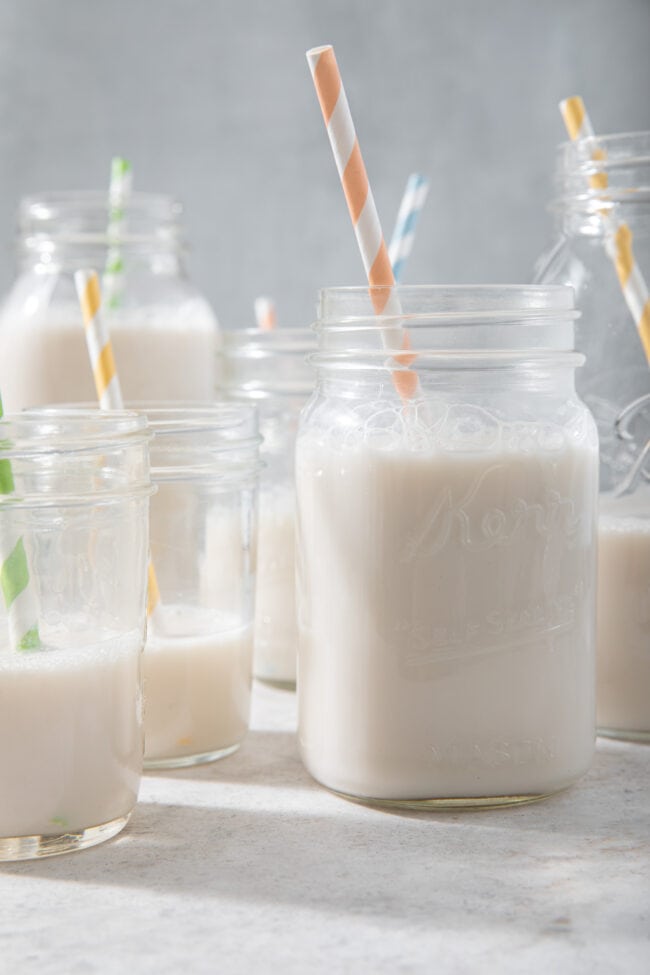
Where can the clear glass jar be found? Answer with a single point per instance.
(446, 550)
(270, 368)
(199, 651)
(164, 333)
(615, 384)
(71, 739)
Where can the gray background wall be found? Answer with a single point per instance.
(212, 101)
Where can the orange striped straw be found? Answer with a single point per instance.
(102, 361)
(360, 201)
(265, 313)
(618, 236)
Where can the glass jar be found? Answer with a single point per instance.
(270, 368)
(71, 737)
(602, 184)
(163, 332)
(446, 550)
(199, 651)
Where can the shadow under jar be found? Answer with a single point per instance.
(71, 737)
(446, 549)
(603, 199)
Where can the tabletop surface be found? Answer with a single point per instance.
(247, 865)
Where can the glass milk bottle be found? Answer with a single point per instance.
(74, 512)
(163, 331)
(270, 368)
(603, 192)
(446, 549)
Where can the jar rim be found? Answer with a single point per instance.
(39, 438)
(47, 205)
(77, 430)
(622, 158)
(440, 305)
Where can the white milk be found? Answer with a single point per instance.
(276, 634)
(160, 356)
(623, 698)
(446, 618)
(197, 685)
(70, 737)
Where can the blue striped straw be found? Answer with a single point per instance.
(408, 215)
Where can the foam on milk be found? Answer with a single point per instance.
(446, 610)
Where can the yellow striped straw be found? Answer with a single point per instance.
(618, 236)
(107, 383)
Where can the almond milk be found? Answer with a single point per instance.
(159, 355)
(197, 686)
(70, 737)
(623, 699)
(446, 616)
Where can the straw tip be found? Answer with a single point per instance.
(315, 52)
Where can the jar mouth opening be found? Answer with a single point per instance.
(597, 172)
(431, 306)
(64, 429)
(108, 453)
(83, 217)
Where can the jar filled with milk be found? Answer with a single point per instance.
(603, 227)
(74, 543)
(446, 516)
(270, 368)
(163, 331)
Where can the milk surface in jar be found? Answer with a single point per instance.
(163, 332)
(270, 368)
(446, 551)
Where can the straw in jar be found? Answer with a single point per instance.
(361, 206)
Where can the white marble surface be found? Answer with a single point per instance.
(247, 866)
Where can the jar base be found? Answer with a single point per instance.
(54, 844)
(446, 804)
(185, 761)
(622, 734)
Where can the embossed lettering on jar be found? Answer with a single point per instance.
(446, 550)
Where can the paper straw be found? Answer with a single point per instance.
(265, 313)
(102, 361)
(15, 577)
(401, 243)
(618, 236)
(118, 195)
(361, 203)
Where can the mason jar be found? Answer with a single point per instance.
(163, 331)
(270, 368)
(446, 548)
(199, 650)
(602, 203)
(74, 547)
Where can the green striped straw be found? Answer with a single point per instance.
(118, 195)
(18, 593)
